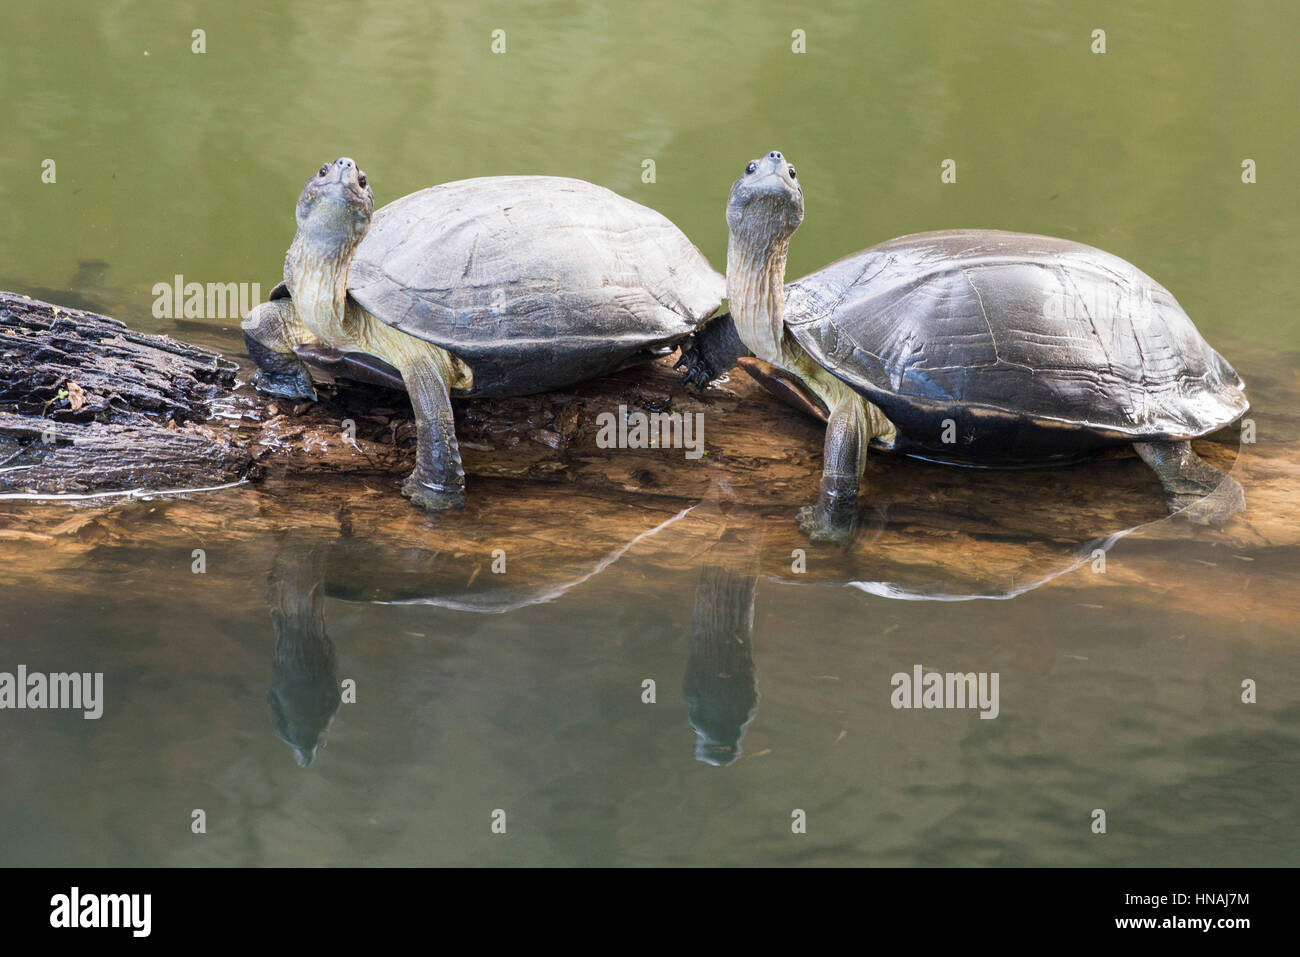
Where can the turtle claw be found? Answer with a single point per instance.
(1195, 489)
(699, 370)
(1212, 509)
(296, 385)
(279, 374)
(432, 498)
(820, 527)
(711, 352)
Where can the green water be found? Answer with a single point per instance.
(171, 162)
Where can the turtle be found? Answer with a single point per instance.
(974, 347)
(495, 286)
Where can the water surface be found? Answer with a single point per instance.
(523, 692)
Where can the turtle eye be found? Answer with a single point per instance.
(324, 169)
(361, 178)
(792, 173)
(751, 167)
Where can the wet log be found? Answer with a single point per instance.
(73, 366)
(544, 490)
(88, 406)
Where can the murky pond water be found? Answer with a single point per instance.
(1121, 639)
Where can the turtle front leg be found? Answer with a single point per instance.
(834, 516)
(438, 481)
(270, 333)
(1195, 488)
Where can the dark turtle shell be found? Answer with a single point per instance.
(1034, 347)
(535, 282)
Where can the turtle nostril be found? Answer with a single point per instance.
(775, 155)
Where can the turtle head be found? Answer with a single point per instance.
(766, 203)
(763, 211)
(335, 206)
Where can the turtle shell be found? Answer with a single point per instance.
(535, 282)
(1033, 347)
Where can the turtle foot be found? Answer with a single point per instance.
(821, 528)
(432, 498)
(699, 371)
(1210, 507)
(711, 352)
(1195, 489)
(296, 385)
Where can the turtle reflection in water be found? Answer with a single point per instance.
(499, 286)
(304, 692)
(974, 347)
(720, 683)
